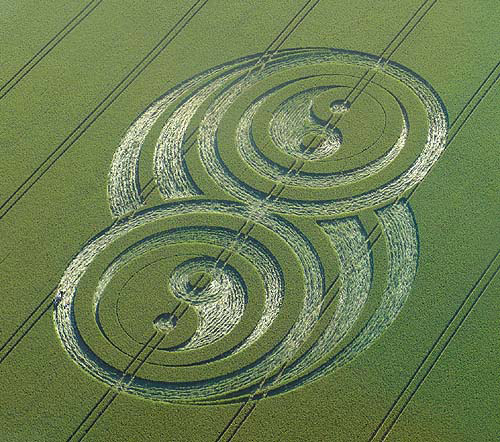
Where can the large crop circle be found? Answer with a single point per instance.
(316, 133)
(226, 283)
(256, 126)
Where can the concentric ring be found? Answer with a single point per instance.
(187, 391)
(220, 88)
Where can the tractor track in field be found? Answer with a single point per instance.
(432, 356)
(400, 404)
(97, 411)
(112, 393)
(470, 106)
(22, 330)
(36, 314)
(13, 81)
(103, 105)
(246, 409)
(293, 167)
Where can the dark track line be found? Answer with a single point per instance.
(375, 227)
(18, 333)
(461, 321)
(142, 361)
(387, 47)
(221, 435)
(108, 391)
(267, 49)
(89, 414)
(403, 28)
(115, 395)
(4, 356)
(285, 38)
(451, 139)
(47, 48)
(226, 428)
(411, 29)
(381, 56)
(475, 92)
(105, 103)
(240, 424)
(147, 185)
(478, 97)
(252, 405)
(411, 192)
(466, 118)
(324, 308)
(249, 402)
(186, 139)
(136, 358)
(99, 415)
(255, 401)
(339, 118)
(148, 194)
(186, 151)
(462, 311)
(44, 304)
(275, 40)
(259, 64)
(302, 163)
(112, 398)
(5, 257)
(268, 54)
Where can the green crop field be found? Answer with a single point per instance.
(249, 220)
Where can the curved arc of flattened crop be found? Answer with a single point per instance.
(349, 240)
(220, 304)
(124, 191)
(269, 169)
(254, 251)
(416, 172)
(402, 245)
(201, 390)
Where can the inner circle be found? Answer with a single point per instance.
(198, 281)
(132, 298)
(138, 307)
(362, 125)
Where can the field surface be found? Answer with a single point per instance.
(249, 220)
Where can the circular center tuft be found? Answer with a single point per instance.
(340, 106)
(165, 322)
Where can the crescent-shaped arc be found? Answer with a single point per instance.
(217, 319)
(221, 304)
(124, 190)
(172, 175)
(401, 240)
(349, 240)
(272, 279)
(170, 168)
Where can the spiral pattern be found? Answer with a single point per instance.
(261, 125)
